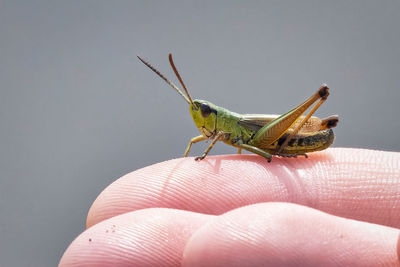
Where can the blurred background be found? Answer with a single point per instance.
(78, 109)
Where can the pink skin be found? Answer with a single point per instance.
(223, 211)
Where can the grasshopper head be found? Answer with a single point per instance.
(204, 115)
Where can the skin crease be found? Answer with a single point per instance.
(347, 212)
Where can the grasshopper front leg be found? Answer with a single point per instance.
(192, 141)
(217, 136)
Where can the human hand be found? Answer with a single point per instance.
(237, 210)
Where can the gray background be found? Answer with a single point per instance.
(78, 110)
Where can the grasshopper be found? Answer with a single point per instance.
(287, 135)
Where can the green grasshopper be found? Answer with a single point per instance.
(287, 135)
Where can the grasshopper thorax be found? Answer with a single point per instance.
(204, 115)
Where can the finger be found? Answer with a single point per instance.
(283, 234)
(151, 237)
(353, 183)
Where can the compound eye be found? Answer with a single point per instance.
(205, 110)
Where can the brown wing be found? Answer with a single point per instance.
(255, 121)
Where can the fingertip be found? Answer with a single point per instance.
(150, 237)
(341, 181)
(211, 186)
